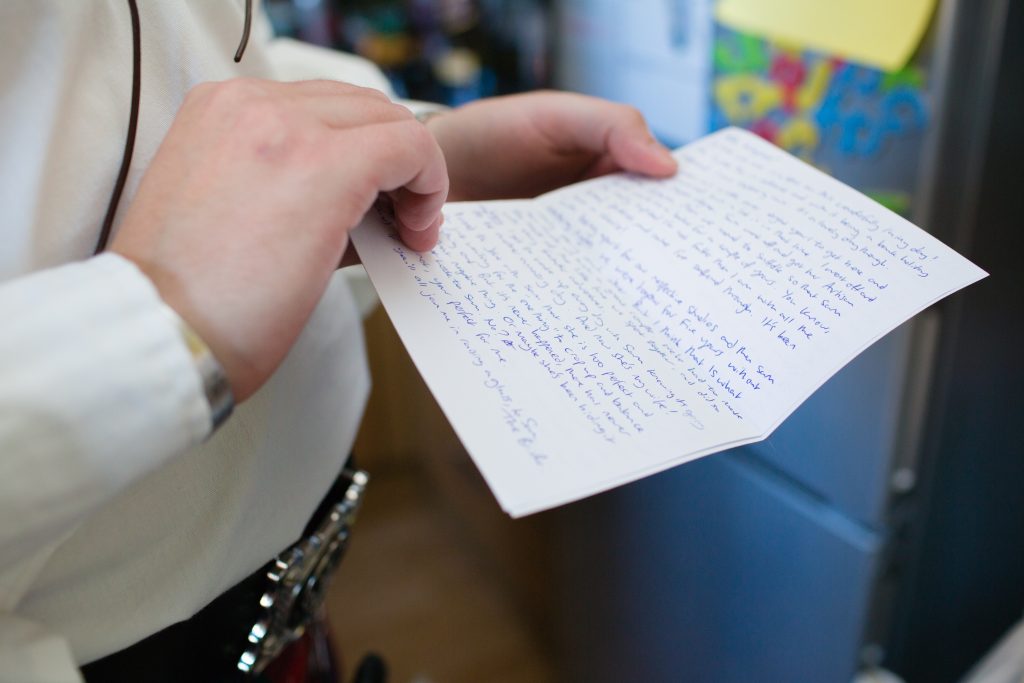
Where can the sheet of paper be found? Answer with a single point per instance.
(620, 326)
(878, 33)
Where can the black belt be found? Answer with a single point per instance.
(236, 635)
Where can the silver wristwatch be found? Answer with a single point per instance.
(215, 382)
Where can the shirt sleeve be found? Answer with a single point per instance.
(97, 388)
(29, 652)
(293, 60)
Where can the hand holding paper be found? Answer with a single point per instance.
(522, 145)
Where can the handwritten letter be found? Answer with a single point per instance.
(617, 327)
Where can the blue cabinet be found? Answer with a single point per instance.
(841, 442)
(718, 571)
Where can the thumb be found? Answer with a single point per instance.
(616, 133)
(632, 147)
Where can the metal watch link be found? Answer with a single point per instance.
(215, 382)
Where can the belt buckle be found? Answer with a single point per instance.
(299, 578)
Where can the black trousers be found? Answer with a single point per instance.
(205, 648)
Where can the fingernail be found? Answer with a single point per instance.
(436, 223)
(655, 144)
(664, 156)
(422, 227)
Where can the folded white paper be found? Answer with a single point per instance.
(623, 325)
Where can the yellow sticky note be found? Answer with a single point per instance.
(878, 33)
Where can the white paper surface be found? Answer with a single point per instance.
(623, 325)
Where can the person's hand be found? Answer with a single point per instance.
(524, 145)
(245, 210)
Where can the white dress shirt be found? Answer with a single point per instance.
(117, 519)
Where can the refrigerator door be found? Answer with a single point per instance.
(719, 571)
(841, 442)
(654, 55)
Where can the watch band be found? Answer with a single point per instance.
(424, 114)
(215, 382)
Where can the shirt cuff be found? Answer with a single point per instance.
(98, 389)
(28, 652)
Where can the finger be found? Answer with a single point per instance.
(351, 111)
(603, 166)
(401, 158)
(342, 105)
(242, 93)
(424, 239)
(413, 211)
(641, 154)
(421, 239)
(327, 87)
(629, 143)
(334, 104)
